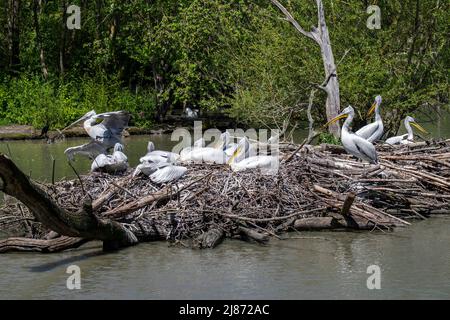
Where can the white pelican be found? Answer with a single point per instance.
(354, 144)
(191, 114)
(215, 153)
(158, 155)
(408, 137)
(160, 172)
(241, 161)
(116, 162)
(104, 135)
(373, 131)
(200, 143)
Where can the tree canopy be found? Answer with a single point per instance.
(239, 57)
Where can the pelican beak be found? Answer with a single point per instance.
(418, 126)
(339, 117)
(235, 153)
(372, 109)
(74, 123)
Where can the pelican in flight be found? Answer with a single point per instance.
(373, 131)
(104, 134)
(117, 162)
(215, 153)
(354, 144)
(241, 161)
(158, 155)
(408, 137)
(161, 172)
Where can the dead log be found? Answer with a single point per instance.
(249, 234)
(40, 245)
(209, 239)
(316, 223)
(81, 224)
(348, 203)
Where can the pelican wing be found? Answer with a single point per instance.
(168, 174)
(261, 161)
(396, 139)
(207, 155)
(100, 162)
(115, 121)
(366, 149)
(368, 130)
(91, 150)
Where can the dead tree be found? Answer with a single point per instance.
(82, 224)
(321, 36)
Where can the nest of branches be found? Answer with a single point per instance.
(315, 188)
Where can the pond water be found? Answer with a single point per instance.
(414, 261)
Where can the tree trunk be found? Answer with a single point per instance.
(81, 224)
(62, 44)
(37, 6)
(321, 36)
(332, 88)
(13, 35)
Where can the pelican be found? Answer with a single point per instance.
(354, 144)
(215, 153)
(241, 161)
(116, 162)
(200, 143)
(408, 137)
(160, 172)
(373, 131)
(158, 155)
(104, 135)
(191, 114)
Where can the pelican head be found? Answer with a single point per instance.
(223, 141)
(242, 147)
(413, 122)
(150, 147)
(349, 111)
(118, 147)
(87, 116)
(376, 103)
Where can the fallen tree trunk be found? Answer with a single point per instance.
(40, 245)
(81, 224)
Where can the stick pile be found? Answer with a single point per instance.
(317, 188)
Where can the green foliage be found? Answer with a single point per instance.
(236, 56)
(326, 137)
(29, 100)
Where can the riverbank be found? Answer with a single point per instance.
(27, 132)
(24, 132)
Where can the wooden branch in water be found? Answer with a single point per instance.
(82, 224)
(348, 203)
(40, 245)
(248, 233)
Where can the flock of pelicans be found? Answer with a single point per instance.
(361, 143)
(161, 166)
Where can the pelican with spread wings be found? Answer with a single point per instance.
(105, 130)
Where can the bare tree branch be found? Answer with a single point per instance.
(292, 20)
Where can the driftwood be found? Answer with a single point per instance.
(318, 188)
(80, 224)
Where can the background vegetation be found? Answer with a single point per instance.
(238, 57)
